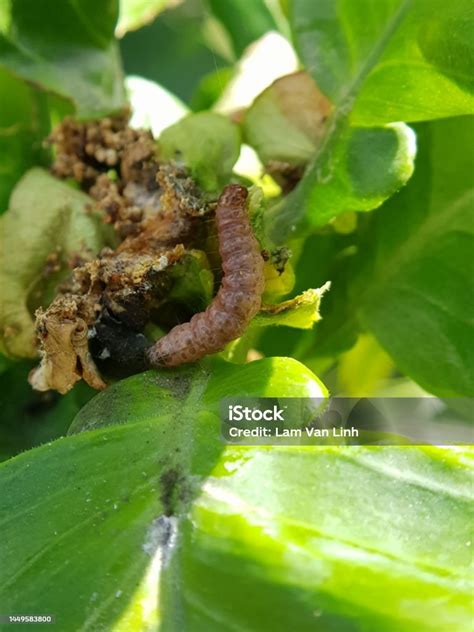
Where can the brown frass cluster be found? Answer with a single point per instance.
(158, 214)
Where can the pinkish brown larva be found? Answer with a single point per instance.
(238, 298)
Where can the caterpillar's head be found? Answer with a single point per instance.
(234, 195)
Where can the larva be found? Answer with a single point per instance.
(238, 298)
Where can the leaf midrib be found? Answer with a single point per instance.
(336, 121)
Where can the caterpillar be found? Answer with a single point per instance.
(238, 299)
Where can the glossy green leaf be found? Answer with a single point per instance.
(269, 378)
(415, 287)
(66, 48)
(160, 526)
(392, 60)
(338, 328)
(207, 143)
(46, 218)
(332, 540)
(24, 123)
(136, 13)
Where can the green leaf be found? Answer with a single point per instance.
(24, 123)
(263, 378)
(136, 13)
(150, 522)
(233, 14)
(301, 312)
(408, 63)
(332, 540)
(210, 88)
(169, 422)
(67, 48)
(411, 61)
(415, 287)
(362, 169)
(46, 218)
(207, 143)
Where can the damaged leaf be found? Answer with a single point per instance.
(104, 308)
(301, 312)
(66, 356)
(207, 143)
(100, 318)
(47, 225)
(286, 122)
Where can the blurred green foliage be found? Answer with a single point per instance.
(172, 50)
